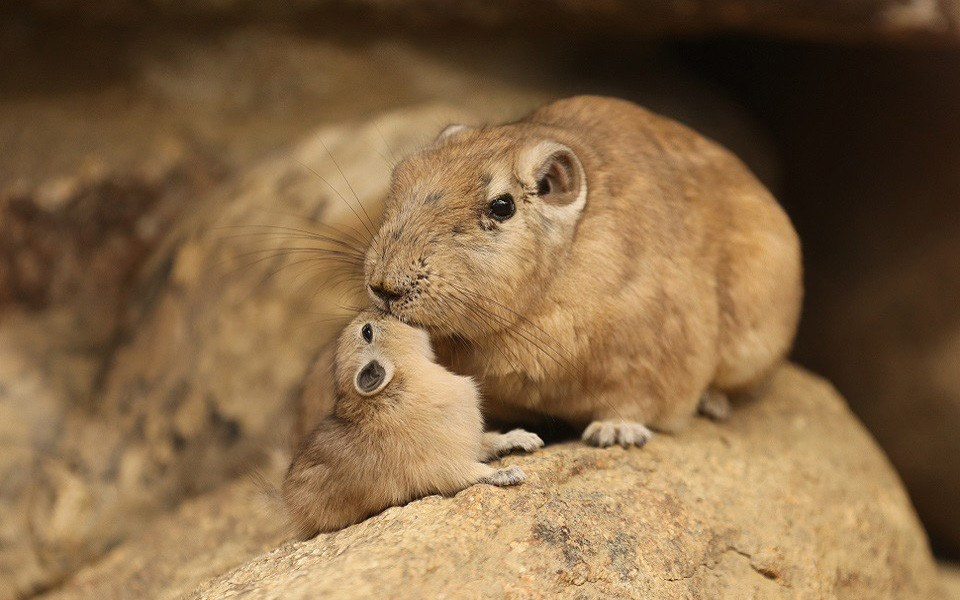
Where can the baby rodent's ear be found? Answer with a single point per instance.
(373, 377)
(450, 131)
(557, 173)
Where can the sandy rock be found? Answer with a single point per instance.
(201, 539)
(789, 499)
(950, 581)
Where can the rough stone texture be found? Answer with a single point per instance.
(789, 499)
(809, 18)
(950, 581)
(204, 537)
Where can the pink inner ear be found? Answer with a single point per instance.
(561, 175)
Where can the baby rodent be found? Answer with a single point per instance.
(402, 427)
(592, 262)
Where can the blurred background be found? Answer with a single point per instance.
(129, 128)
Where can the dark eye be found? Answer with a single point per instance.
(543, 187)
(367, 332)
(502, 207)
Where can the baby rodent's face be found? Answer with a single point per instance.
(372, 347)
(473, 225)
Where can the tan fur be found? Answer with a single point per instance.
(679, 276)
(420, 434)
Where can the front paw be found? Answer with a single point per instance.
(608, 433)
(519, 439)
(505, 476)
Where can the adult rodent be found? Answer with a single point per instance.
(402, 427)
(592, 262)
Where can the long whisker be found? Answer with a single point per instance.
(317, 258)
(330, 252)
(337, 192)
(347, 181)
(299, 234)
(448, 302)
(510, 357)
(393, 154)
(516, 329)
(352, 235)
(559, 347)
(513, 328)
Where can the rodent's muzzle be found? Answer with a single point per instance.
(383, 295)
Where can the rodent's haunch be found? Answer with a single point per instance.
(402, 427)
(593, 262)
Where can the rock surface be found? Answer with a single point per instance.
(950, 581)
(789, 499)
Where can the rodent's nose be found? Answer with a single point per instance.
(384, 294)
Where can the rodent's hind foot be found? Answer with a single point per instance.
(714, 405)
(505, 476)
(497, 444)
(608, 433)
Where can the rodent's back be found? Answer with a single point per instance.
(698, 199)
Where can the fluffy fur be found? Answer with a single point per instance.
(417, 432)
(644, 269)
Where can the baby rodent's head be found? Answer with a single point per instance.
(482, 214)
(371, 349)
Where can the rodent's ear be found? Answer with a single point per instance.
(372, 378)
(450, 131)
(558, 175)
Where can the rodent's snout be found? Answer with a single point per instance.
(382, 285)
(384, 293)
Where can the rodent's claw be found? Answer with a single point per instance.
(520, 439)
(506, 476)
(608, 433)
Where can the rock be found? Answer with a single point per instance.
(790, 498)
(202, 538)
(950, 581)
(823, 19)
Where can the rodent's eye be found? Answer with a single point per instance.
(543, 186)
(502, 207)
(367, 332)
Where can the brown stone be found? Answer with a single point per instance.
(790, 498)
